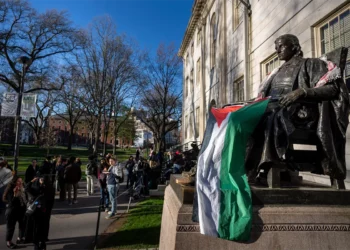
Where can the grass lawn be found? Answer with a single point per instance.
(141, 228)
(29, 152)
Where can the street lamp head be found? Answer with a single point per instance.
(24, 60)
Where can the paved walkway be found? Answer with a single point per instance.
(73, 227)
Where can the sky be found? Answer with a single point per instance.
(148, 22)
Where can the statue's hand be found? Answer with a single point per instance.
(291, 97)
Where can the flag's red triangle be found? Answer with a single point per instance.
(221, 114)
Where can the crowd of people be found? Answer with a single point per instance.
(29, 201)
(29, 204)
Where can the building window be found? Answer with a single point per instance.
(187, 59)
(213, 36)
(197, 120)
(270, 64)
(198, 71)
(238, 90)
(334, 33)
(186, 86)
(186, 127)
(191, 82)
(192, 50)
(191, 122)
(199, 36)
(238, 12)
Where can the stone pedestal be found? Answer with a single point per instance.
(299, 226)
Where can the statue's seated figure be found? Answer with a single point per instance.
(309, 103)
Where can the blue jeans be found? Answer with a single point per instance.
(113, 190)
(104, 197)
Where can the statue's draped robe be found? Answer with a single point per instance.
(270, 141)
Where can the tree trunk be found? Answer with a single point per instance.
(98, 129)
(70, 139)
(105, 135)
(115, 135)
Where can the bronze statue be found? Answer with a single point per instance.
(313, 81)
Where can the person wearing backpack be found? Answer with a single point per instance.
(91, 169)
(40, 192)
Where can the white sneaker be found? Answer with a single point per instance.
(109, 212)
(75, 202)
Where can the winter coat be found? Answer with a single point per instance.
(72, 174)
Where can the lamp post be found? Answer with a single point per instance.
(25, 61)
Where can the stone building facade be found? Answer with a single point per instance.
(228, 48)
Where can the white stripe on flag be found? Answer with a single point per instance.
(208, 181)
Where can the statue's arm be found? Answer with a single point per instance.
(315, 69)
(324, 93)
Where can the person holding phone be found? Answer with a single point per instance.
(15, 198)
(114, 176)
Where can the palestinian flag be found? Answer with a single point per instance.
(224, 197)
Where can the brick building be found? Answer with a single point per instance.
(82, 133)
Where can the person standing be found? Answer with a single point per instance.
(137, 155)
(38, 193)
(15, 198)
(114, 176)
(72, 175)
(103, 186)
(31, 171)
(130, 167)
(91, 169)
(60, 178)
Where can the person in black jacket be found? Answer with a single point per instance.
(31, 171)
(46, 167)
(15, 198)
(72, 175)
(41, 190)
(103, 187)
(60, 178)
(130, 167)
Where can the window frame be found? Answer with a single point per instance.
(186, 126)
(186, 86)
(213, 40)
(198, 71)
(239, 81)
(318, 40)
(199, 36)
(327, 20)
(267, 61)
(236, 21)
(197, 113)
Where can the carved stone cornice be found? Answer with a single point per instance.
(277, 227)
(192, 25)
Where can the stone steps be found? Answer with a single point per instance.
(321, 179)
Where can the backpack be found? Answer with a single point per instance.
(38, 203)
(91, 168)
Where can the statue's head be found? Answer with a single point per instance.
(287, 46)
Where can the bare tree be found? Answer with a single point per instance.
(161, 100)
(100, 63)
(48, 138)
(44, 104)
(43, 38)
(70, 106)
